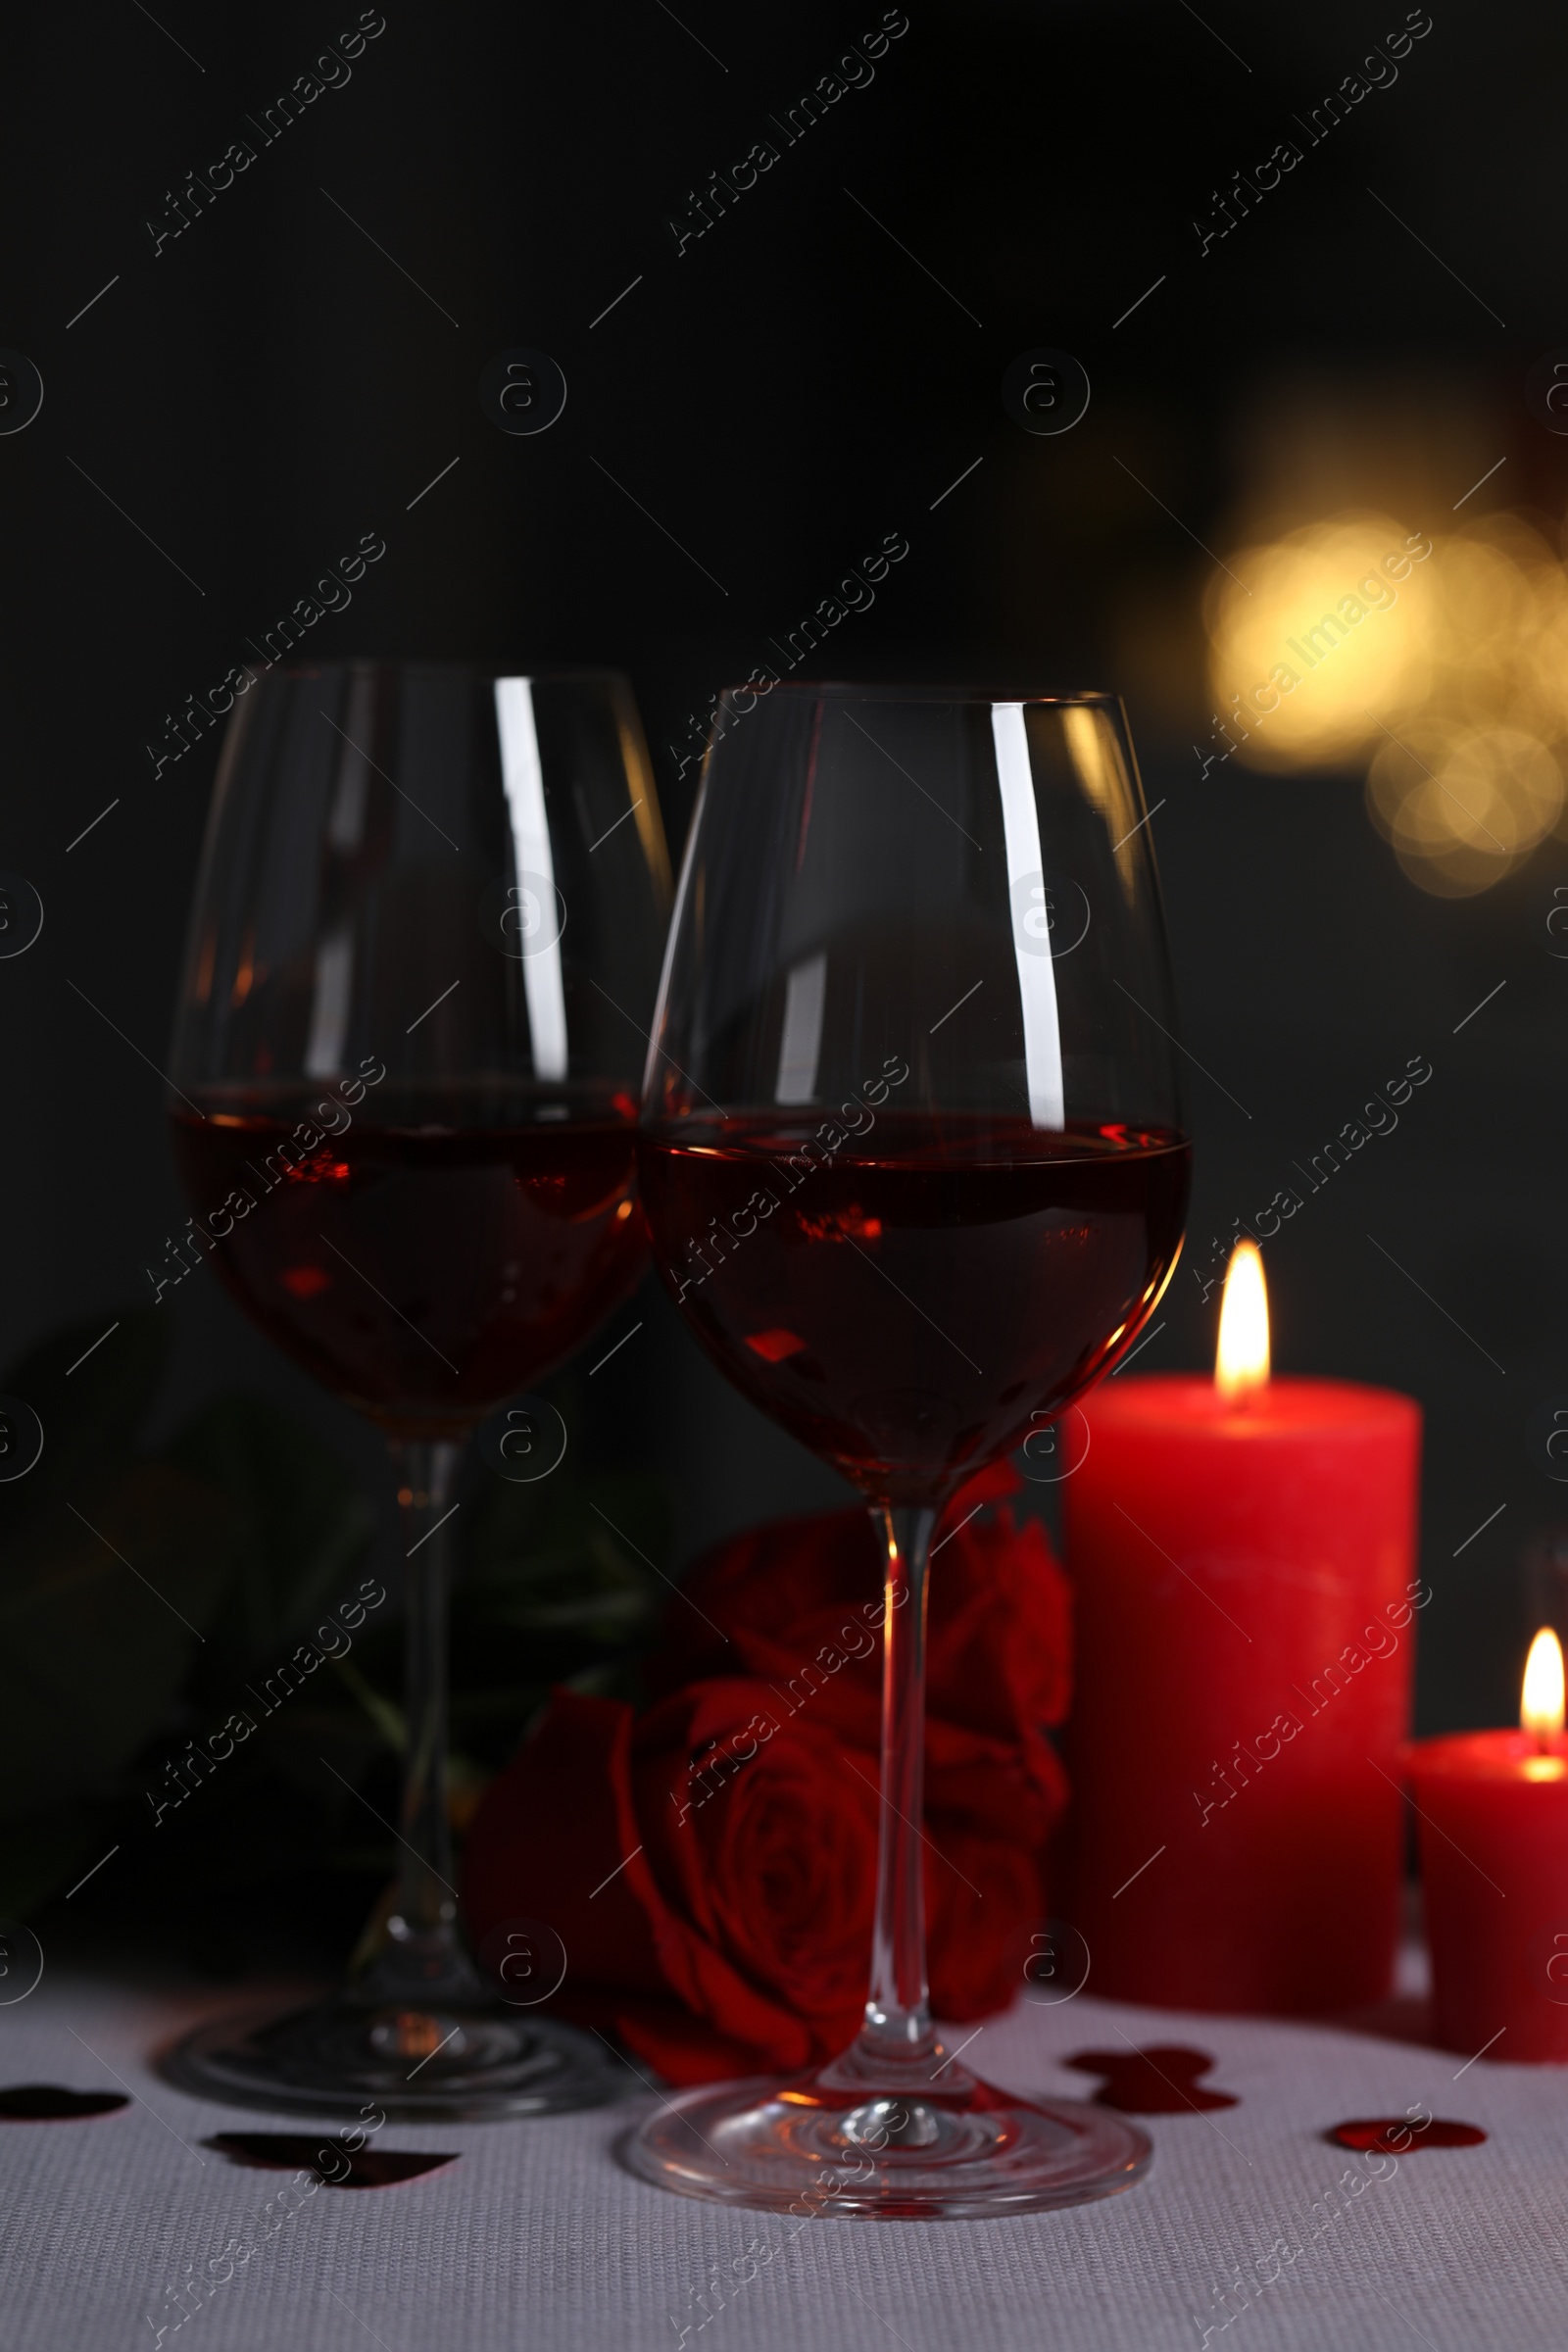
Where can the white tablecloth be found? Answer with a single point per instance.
(538, 2239)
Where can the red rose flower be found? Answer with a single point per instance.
(710, 1863)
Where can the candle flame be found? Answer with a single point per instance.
(1240, 1366)
(1541, 1702)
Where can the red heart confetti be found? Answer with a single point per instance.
(337, 2166)
(51, 2103)
(1160, 2081)
(1397, 2135)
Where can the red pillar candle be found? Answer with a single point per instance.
(1492, 1827)
(1243, 1558)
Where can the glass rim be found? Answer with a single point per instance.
(449, 665)
(954, 692)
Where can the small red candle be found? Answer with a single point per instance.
(1242, 1553)
(1492, 1824)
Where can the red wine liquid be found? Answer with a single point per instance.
(429, 1264)
(910, 1313)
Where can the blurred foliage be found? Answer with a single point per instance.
(146, 1593)
(299, 1534)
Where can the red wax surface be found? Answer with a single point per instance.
(1493, 1826)
(1246, 1588)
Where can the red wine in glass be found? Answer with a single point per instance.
(1024, 1266)
(439, 1253)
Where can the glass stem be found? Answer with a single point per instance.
(898, 2021)
(424, 1957)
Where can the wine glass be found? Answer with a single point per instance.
(405, 1073)
(912, 1162)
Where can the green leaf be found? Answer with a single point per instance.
(562, 1580)
(301, 1527)
(100, 1618)
(91, 1405)
(390, 1721)
(584, 1553)
(48, 1852)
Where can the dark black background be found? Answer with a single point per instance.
(270, 385)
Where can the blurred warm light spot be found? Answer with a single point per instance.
(1541, 1700)
(1241, 1363)
(1440, 662)
(246, 974)
(412, 2034)
(1316, 640)
(1463, 806)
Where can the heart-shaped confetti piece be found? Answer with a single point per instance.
(338, 2167)
(52, 2103)
(1397, 2135)
(1160, 2081)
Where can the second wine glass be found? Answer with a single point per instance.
(404, 1078)
(914, 1165)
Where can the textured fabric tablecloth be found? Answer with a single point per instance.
(537, 2238)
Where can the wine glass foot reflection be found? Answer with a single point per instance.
(926, 2141)
(440, 2060)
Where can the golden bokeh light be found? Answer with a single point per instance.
(1319, 636)
(1439, 663)
(1463, 806)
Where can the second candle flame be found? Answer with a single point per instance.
(1241, 1365)
(1541, 1702)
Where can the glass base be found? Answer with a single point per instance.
(437, 2064)
(897, 2148)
